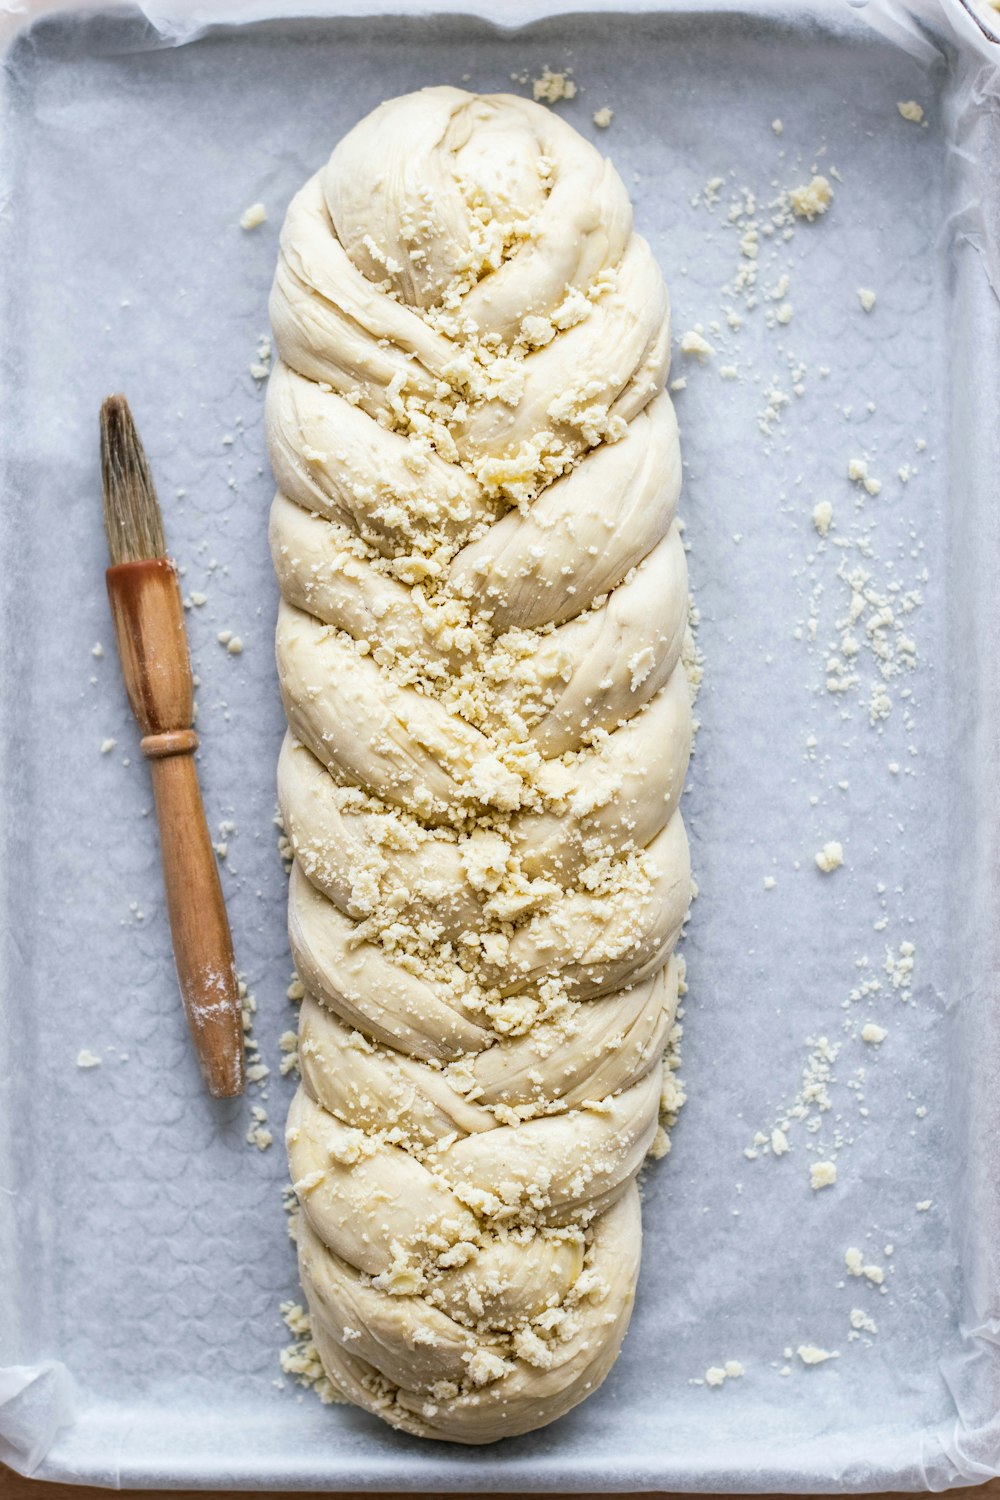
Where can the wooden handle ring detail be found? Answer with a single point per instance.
(172, 742)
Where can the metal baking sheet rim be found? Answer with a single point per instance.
(38, 1401)
(905, 22)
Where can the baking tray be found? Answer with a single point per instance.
(143, 1248)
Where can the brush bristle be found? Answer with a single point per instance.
(132, 517)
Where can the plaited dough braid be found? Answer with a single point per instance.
(484, 603)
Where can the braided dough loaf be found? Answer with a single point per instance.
(484, 602)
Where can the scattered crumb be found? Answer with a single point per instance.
(855, 1263)
(97, 649)
(261, 368)
(830, 857)
(876, 1035)
(777, 127)
(923, 1205)
(717, 1375)
(860, 1320)
(251, 217)
(551, 87)
(198, 599)
(776, 399)
(811, 199)
(694, 342)
(257, 1072)
(911, 110)
(289, 1044)
(822, 1174)
(823, 517)
(899, 968)
(857, 470)
(87, 1059)
(866, 298)
(729, 372)
(769, 882)
(258, 1134)
(301, 1358)
(107, 746)
(809, 1104)
(224, 637)
(234, 645)
(784, 314)
(680, 384)
(810, 1354)
(603, 117)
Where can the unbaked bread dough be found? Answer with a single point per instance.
(484, 602)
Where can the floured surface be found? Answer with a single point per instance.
(173, 1338)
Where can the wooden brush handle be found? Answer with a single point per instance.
(149, 624)
(203, 948)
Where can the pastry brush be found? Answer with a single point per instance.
(152, 645)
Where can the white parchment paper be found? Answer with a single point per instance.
(143, 1251)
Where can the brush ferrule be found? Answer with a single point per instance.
(174, 742)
